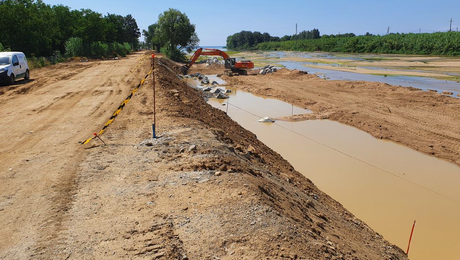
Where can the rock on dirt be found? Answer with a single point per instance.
(267, 70)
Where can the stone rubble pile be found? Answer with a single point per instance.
(268, 69)
(213, 60)
(213, 90)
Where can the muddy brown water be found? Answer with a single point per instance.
(385, 184)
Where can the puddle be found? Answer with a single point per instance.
(257, 105)
(385, 184)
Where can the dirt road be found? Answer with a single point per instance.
(206, 189)
(424, 121)
(42, 123)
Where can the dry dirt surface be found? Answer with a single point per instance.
(205, 189)
(424, 121)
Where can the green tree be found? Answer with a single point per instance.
(115, 29)
(40, 30)
(176, 33)
(152, 37)
(131, 31)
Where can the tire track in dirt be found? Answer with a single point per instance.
(43, 127)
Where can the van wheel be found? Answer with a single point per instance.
(27, 76)
(11, 79)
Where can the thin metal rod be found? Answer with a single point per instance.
(154, 98)
(228, 103)
(410, 238)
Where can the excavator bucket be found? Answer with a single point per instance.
(184, 69)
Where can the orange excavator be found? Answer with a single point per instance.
(231, 64)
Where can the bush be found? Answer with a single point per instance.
(117, 49)
(57, 57)
(127, 47)
(74, 47)
(174, 54)
(35, 62)
(99, 49)
(1, 47)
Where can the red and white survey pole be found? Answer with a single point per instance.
(154, 98)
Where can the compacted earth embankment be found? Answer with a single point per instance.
(205, 189)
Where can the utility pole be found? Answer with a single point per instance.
(295, 35)
(450, 28)
(419, 30)
(388, 30)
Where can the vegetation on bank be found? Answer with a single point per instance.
(440, 43)
(172, 34)
(55, 32)
(246, 40)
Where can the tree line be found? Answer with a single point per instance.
(441, 43)
(38, 29)
(249, 40)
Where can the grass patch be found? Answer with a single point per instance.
(265, 63)
(449, 78)
(386, 74)
(232, 53)
(379, 59)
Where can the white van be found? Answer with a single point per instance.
(13, 65)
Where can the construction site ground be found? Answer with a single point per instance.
(205, 189)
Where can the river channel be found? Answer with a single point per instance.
(383, 183)
(290, 60)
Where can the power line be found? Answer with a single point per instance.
(353, 157)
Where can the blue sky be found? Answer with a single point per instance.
(215, 20)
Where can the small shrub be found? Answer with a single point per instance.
(74, 47)
(117, 49)
(127, 48)
(174, 54)
(40, 62)
(56, 57)
(99, 49)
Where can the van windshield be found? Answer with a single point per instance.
(4, 60)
